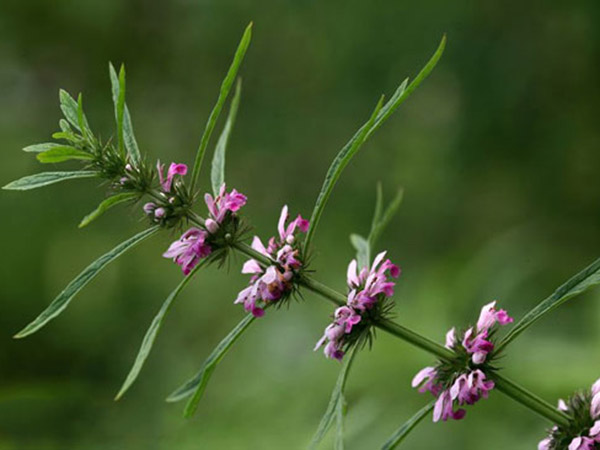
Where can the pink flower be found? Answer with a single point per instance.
(174, 169)
(427, 379)
(582, 443)
(490, 315)
(286, 233)
(368, 285)
(189, 249)
(344, 319)
(443, 409)
(545, 444)
(270, 284)
(477, 345)
(224, 202)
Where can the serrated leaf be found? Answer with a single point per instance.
(63, 153)
(335, 170)
(45, 178)
(337, 397)
(385, 218)
(217, 174)
(63, 299)
(363, 250)
(223, 93)
(363, 134)
(407, 427)
(197, 384)
(584, 280)
(153, 330)
(38, 148)
(105, 205)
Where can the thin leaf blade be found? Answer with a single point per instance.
(223, 93)
(105, 205)
(46, 178)
(63, 153)
(43, 147)
(152, 332)
(385, 218)
(63, 299)
(401, 433)
(337, 396)
(401, 94)
(217, 173)
(335, 170)
(578, 284)
(131, 144)
(197, 384)
(69, 107)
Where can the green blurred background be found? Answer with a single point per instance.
(497, 151)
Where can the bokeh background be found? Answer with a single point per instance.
(498, 152)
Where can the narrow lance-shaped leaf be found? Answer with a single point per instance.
(217, 173)
(107, 204)
(118, 95)
(365, 132)
(335, 170)
(197, 384)
(223, 93)
(64, 298)
(407, 427)
(37, 148)
(337, 396)
(70, 108)
(45, 178)
(63, 153)
(587, 278)
(125, 135)
(153, 330)
(385, 219)
(81, 119)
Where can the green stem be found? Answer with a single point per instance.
(504, 385)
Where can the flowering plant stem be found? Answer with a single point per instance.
(508, 387)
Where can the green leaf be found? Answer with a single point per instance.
(68, 106)
(107, 204)
(217, 173)
(584, 280)
(407, 427)
(46, 178)
(340, 414)
(223, 93)
(153, 330)
(364, 133)
(335, 170)
(125, 136)
(363, 251)
(336, 402)
(383, 220)
(197, 384)
(378, 206)
(64, 298)
(82, 120)
(63, 153)
(38, 148)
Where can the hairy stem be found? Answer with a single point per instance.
(504, 385)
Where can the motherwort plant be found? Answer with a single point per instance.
(167, 197)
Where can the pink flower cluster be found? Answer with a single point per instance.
(268, 285)
(153, 210)
(592, 438)
(468, 387)
(367, 288)
(193, 245)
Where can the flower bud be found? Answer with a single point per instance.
(211, 226)
(159, 213)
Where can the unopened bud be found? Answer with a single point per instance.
(211, 226)
(159, 213)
